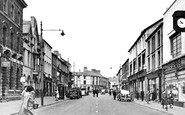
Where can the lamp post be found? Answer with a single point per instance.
(42, 60)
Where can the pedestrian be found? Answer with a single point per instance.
(56, 95)
(137, 95)
(94, 92)
(97, 91)
(142, 95)
(114, 94)
(147, 97)
(164, 101)
(110, 92)
(28, 101)
(171, 98)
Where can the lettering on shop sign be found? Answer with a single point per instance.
(174, 65)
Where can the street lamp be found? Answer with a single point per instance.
(42, 60)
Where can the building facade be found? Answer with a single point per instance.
(11, 46)
(89, 79)
(137, 61)
(125, 74)
(47, 69)
(154, 60)
(31, 54)
(174, 55)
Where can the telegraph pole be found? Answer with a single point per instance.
(42, 66)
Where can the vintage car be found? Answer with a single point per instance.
(124, 95)
(74, 93)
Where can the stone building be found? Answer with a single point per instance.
(11, 46)
(31, 54)
(174, 55)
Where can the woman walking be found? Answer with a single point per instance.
(171, 98)
(28, 101)
(164, 101)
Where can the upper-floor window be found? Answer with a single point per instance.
(18, 40)
(143, 58)
(4, 35)
(159, 58)
(148, 47)
(19, 18)
(11, 40)
(159, 38)
(5, 6)
(176, 45)
(139, 62)
(153, 61)
(153, 43)
(84, 77)
(149, 63)
(12, 12)
(134, 65)
(84, 82)
(130, 68)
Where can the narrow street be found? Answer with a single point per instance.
(103, 105)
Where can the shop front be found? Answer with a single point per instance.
(174, 79)
(154, 83)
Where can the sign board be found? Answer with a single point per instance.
(5, 63)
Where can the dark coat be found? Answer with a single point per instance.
(164, 100)
(171, 98)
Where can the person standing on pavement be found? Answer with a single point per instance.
(164, 101)
(171, 98)
(142, 95)
(28, 101)
(94, 92)
(97, 91)
(147, 97)
(56, 95)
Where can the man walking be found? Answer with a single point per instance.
(142, 95)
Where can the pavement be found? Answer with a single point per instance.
(157, 106)
(12, 107)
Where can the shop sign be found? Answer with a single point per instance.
(5, 63)
(174, 64)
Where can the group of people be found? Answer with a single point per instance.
(167, 99)
(95, 92)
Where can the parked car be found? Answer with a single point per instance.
(74, 93)
(124, 95)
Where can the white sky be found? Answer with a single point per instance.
(99, 33)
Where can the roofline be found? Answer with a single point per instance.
(144, 32)
(169, 7)
(154, 32)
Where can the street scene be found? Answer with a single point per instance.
(100, 57)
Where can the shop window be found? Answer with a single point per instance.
(183, 89)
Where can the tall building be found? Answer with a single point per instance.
(11, 46)
(138, 81)
(174, 55)
(154, 51)
(31, 55)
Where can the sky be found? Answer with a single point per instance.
(99, 33)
